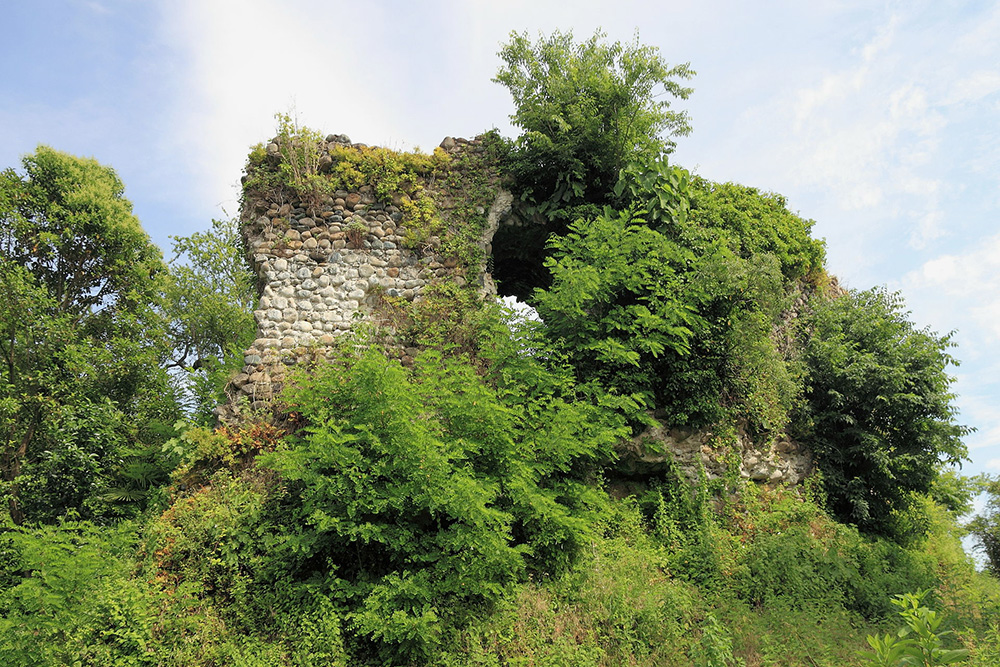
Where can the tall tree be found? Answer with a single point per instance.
(81, 344)
(586, 109)
(880, 407)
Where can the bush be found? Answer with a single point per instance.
(586, 109)
(417, 501)
(73, 601)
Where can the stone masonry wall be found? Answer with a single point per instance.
(322, 269)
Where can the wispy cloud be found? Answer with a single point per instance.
(247, 60)
(974, 87)
(94, 6)
(866, 137)
(970, 281)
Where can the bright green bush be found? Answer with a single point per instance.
(417, 501)
(755, 223)
(618, 605)
(73, 600)
(673, 316)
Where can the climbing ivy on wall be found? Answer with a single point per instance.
(299, 165)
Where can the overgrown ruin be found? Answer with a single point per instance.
(385, 232)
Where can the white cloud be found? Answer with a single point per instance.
(962, 291)
(973, 275)
(993, 464)
(249, 59)
(974, 87)
(868, 140)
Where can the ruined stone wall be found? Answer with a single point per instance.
(694, 452)
(323, 265)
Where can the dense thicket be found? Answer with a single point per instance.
(585, 110)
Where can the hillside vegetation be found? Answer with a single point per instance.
(468, 506)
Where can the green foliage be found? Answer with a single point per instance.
(986, 526)
(661, 190)
(756, 224)
(985, 649)
(209, 303)
(198, 451)
(586, 109)
(618, 606)
(716, 648)
(68, 222)
(211, 293)
(773, 549)
(394, 177)
(220, 595)
(880, 412)
(664, 311)
(470, 186)
(77, 382)
(299, 148)
(390, 173)
(955, 492)
(429, 518)
(918, 642)
(73, 603)
(619, 294)
(447, 317)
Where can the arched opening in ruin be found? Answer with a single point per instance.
(518, 259)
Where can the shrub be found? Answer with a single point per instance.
(417, 501)
(919, 642)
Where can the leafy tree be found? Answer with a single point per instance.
(209, 304)
(585, 109)
(69, 223)
(81, 344)
(986, 526)
(956, 492)
(881, 418)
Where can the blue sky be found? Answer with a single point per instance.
(878, 120)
